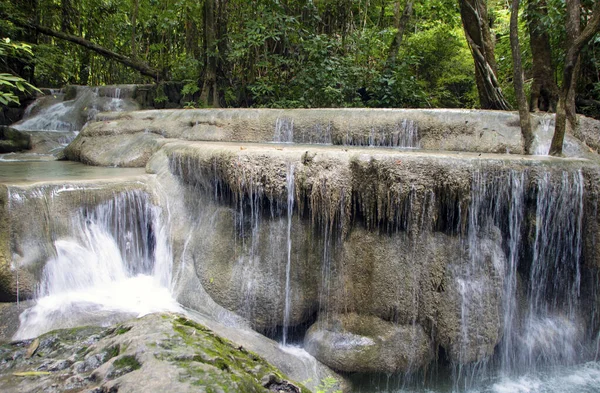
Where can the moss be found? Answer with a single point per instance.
(128, 361)
(219, 364)
(121, 330)
(111, 352)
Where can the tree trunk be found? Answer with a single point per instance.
(477, 32)
(215, 27)
(143, 68)
(544, 91)
(570, 64)
(573, 28)
(67, 15)
(134, 14)
(23, 67)
(210, 50)
(400, 23)
(518, 78)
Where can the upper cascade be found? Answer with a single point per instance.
(129, 139)
(69, 109)
(52, 121)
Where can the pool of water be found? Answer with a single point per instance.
(36, 171)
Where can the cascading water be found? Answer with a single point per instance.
(288, 266)
(116, 264)
(552, 325)
(543, 136)
(284, 130)
(404, 134)
(53, 122)
(544, 333)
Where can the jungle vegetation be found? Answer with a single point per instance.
(320, 53)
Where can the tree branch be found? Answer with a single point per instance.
(140, 66)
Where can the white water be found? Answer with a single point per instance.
(284, 130)
(543, 136)
(115, 265)
(290, 213)
(58, 115)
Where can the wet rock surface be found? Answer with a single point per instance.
(104, 141)
(12, 140)
(160, 352)
(361, 343)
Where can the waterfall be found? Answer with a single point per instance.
(114, 264)
(53, 113)
(290, 213)
(515, 222)
(543, 136)
(404, 134)
(545, 331)
(284, 130)
(552, 328)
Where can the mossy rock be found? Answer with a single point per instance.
(156, 353)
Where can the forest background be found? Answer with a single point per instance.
(302, 53)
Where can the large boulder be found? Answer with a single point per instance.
(156, 353)
(362, 343)
(12, 140)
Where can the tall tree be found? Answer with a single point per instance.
(213, 14)
(544, 91)
(475, 21)
(518, 78)
(135, 6)
(573, 27)
(400, 23)
(570, 65)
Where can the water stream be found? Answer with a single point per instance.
(288, 266)
(114, 265)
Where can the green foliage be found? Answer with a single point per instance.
(127, 361)
(328, 385)
(160, 94)
(330, 53)
(10, 84)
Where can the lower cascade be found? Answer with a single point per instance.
(115, 264)
(391, 268)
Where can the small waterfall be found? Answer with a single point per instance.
(55, 114)
(551, 326)
(284, 130)
(405, 134)
(543, 136)
(115, 264)
(51, 118)
(515, 222)
(543, 330)
(290, 213)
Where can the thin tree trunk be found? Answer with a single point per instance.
(571, 58)
(573, 30)
(209, 86)
(134, 14)
(67, 14)
(544, 91)
(477, 32)
(518, 78)
(400, 23)
(143, 68)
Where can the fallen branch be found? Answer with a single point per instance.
(140, 66)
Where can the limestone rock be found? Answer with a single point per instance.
(156, 353)
(12, 140)
(360, 343)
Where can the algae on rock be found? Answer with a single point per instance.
(159, 352)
